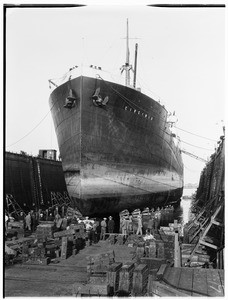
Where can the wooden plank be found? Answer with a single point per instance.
(214, 283)
(221, 273)
(163, 290)
(202, 242)
(161, 271)
(185, 281)
(166, 273)
(174, 276)
(199, 285)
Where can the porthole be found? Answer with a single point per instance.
(130, 109)
(134, 111)
(146, 115)
(139, 112)
(125, 107)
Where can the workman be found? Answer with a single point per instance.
(6, 223)
(21, 216)
(33, 220)
(94, 231)
(150, 225)
(130, 225)
(89, 231)
(103, 229)
(139, 229)
(58, 221)
(28, 221)
(111, 225)
(148, 236)
(124, 227)
(157, 218)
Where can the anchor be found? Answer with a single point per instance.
(98, 100)
(70, 100)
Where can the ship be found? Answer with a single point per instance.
(116, 143)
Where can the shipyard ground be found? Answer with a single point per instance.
(59, 279)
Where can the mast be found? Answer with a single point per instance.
(127, 79)
(135, 67)
(127, 67)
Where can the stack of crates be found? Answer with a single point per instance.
(120, 239)
(140, 251)
(140, 280)
(97, 279)
(44, 231)
(134, 240)
(126, 277)
(34, 255)
(113, 276)
(99, 264)
(111, 239)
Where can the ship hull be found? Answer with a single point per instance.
(118, 156)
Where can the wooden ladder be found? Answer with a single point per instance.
(202, 238)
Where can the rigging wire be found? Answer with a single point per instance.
(30, 130)
(196, 146)
(203, 137)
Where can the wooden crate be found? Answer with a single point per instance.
(126, 277)
(113, 276)
(140, 280)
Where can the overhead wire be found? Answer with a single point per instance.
(196, 146)
(30, 130)
(33, 127)
(203, 137)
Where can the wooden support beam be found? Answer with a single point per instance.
(208, 244)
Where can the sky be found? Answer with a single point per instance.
(181, 62)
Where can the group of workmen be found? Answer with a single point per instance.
(134, 224)
(98, 229)
(32, 218)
